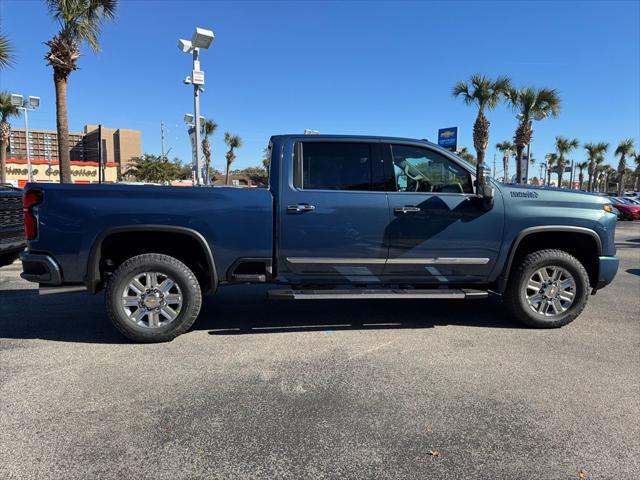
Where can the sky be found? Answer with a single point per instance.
(375, 68)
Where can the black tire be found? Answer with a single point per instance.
(9, 258)
(516, 293)
(186, 281)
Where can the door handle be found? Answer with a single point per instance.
(301, 207)
(407, 209)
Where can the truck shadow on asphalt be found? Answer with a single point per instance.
(240, 310)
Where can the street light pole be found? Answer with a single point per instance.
(196, 113)
(25, 111)
(202, 38)
(26, 104)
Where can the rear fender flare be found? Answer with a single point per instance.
(93, 265)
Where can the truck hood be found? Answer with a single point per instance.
(513, 192)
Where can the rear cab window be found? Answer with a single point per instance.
(327, 165)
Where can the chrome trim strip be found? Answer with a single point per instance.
(438, 261)
(331, 261)
(393, 261)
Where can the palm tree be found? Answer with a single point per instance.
(507, 148)
(624, 149)
(7, 110)
(563, 147)
(232, 141)
(594, 151)
(636, 172)
(608, 173)
(80, 21)
(6, 52)
(209, 126)
(465, 154)
(485, 93)
(531, 104)
(552, 159)
(581, 166)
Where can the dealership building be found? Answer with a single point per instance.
(119, 146)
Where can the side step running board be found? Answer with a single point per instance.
(357, 294)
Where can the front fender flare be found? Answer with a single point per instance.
(542, 228)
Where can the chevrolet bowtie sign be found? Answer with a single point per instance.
(448, 138)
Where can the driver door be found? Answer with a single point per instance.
(438, 232)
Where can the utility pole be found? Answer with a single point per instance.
(100, 169)
(541, 177)
(162, 138)
(494, 165)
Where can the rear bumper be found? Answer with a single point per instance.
(608, 266)
(40, 269)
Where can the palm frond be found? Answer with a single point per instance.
(208, 127)
(7, 109)
(625, 148)
(7, 56)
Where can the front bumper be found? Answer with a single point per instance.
(607, 268)
(40, 269)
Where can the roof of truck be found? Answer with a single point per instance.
(380, 138)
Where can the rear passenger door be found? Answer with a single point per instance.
(333, 213)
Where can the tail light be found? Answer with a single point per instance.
(31, 199)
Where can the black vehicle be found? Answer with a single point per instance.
(12, 239)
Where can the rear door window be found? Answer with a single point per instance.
(333, 166)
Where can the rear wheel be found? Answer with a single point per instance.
(549, 290)
(153, 298)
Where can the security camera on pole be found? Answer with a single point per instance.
(201, 39)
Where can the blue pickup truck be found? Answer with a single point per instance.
(344, 217)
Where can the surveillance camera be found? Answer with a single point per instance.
(187, 80)
(184, 45)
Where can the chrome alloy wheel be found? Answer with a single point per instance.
(550, 291)
(152, 299)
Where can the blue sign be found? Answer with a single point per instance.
(448, 138)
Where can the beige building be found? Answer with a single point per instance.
(119, 145)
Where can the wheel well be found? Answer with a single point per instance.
(580, 245)
(120, 246)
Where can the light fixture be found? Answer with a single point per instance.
(34, 102)
(16, 100)
(184, 45)
(202, 38)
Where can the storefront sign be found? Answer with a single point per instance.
(45, 171)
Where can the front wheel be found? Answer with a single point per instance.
(549, 290)
(153, 298)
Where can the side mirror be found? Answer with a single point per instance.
(484, 190)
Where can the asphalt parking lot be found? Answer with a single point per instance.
(346, 389)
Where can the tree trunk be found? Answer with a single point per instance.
(480, 142)
(226, 175)
(62, 123)
(560, 174)
(580, 180)
(3, 161)
(505, 167)
(520, 150)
